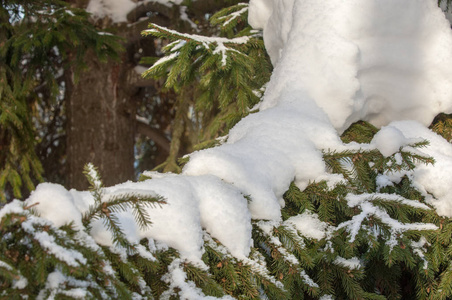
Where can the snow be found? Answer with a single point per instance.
(77, 293)
(351, 263)
(221, 49)
(447, 12)
(259, 267)
(93, 174)
(55, 204)
(205, 40)
(219, 44)
(389, 140)
(144, 253)
(167, 58)
(431, 179)
(176, 278)
(6, 266)
(259, 12)
(364, 203)
(373, 60)
(420, 250)
(21, 283)
(184, 17)
(308, 280)
(267, 227)
(117, 10)
(336, 62)
(383, 181)
(309, 225)
(266, 151)
(235, 15)
(69, 256)
(356, 200)
(101, 234)
(55, 279)
(193, 204)
(57, 284)
(331, 179)
(14, 207)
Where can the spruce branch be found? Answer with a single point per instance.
(229, 18)
(226, 71)
(106, 208)
(203, 280)
(442, 125)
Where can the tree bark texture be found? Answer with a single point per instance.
(101, 106)
(101, 125)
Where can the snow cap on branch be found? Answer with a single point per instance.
(372, 60)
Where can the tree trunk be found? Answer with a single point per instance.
(101, 124)
(101, 110)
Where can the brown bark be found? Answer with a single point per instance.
(154, 135)
(101, 125)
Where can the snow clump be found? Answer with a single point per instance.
(372, 60)
(336, 62)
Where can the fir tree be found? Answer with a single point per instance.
(41, 260)
(228, 73)
(38, 40)
(375, 241)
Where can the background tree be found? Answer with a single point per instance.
(103, 105)
(83, 97)
(36, 38)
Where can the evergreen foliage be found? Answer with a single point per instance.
(442, 125)
(381, 242)
(223, 76)
(39, 259)
(38, 40)
(378, 241)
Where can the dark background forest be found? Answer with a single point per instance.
(74, 93)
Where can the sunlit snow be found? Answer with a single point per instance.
(373, 60)
(117, 10)
(336, 62)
